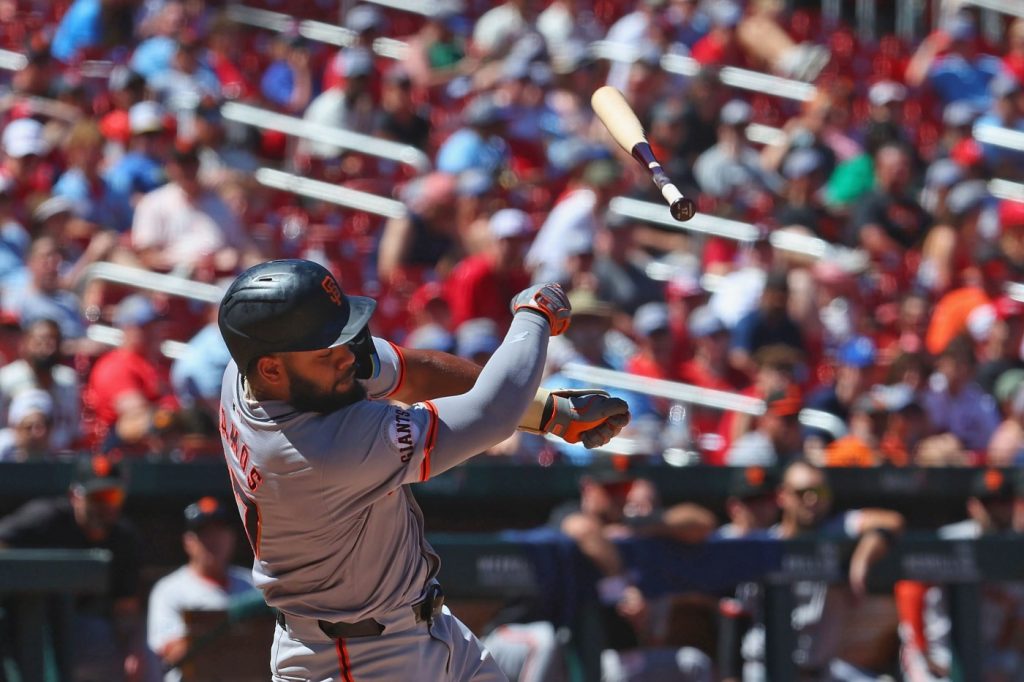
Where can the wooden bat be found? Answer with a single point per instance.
(618, 117)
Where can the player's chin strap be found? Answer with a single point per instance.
(367, 360)
(568, 413)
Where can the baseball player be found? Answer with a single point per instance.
(320, 461)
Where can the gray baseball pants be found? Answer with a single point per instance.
(445, 650)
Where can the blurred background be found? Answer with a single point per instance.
(825, 367)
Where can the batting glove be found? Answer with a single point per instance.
(550, 301)
(587, 416)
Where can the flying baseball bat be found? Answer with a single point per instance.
(618, 117)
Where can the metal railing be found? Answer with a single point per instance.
(12, 61)
(313, 30)
(112, 336)
(1011, 7)
(999, 136)
(140, 278)
(338, 137)
(335, 194)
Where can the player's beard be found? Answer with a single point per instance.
(308, 397)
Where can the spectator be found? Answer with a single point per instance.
(42, 295)
(425, 238)
(657, 354)
(80, 28)
(154, 56)
(29, 434)
(141, 169)
(477, 339)
(954, 401)
(180, 224)
(480, 143)
(401, 119)
(189, 80)
(196, 373)
(775, 439)
(1013, 61)
(853, 362)
(888, 221)
(618, 266)
(803, 171)
(23, 146)
(752, 504)
(820, 611)
(437, 54)
(107, 629)
(961, 73)
(614, 507)
(14, 240)
(348, 105)
(1006, 446)
(1007, 112)
(885, 116)
(576, 218)
(732, 166)
(83, 183)
(288, 81)
(208, 582)
(769, 325)
(128, 385)
(633, 29)
(366, 23)
(721, 45)
(499, 27)
(38, 369)
(481, 285)
(1010, 241)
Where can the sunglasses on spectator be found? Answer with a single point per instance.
(819, 491)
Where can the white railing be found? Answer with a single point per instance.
(999, 136)
(338, 137)
(1006, 189)
(148, 280)
(335, 194)
(1012, 7)
(112, 336)
(313, 30)
(12, 61)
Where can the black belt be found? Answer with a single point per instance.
(425, 610)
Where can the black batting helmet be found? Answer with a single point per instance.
(290, 305)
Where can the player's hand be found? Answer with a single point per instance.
(587, 416)
(550, 301)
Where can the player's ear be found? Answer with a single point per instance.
(269, 370)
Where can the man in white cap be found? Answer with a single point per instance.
(29, 436)
(348, 105)
(141, 169)
(733, 162)
(23, 144)
(480, 285)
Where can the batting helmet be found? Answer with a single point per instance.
(290, 305)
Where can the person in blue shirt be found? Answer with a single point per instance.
(1005, 113)
(79, 28)
(141, 169)
(196, 374)
(479, 143)
(94, 197)
(287, 82)
(962, 73)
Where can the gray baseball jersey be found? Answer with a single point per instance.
(335, 531)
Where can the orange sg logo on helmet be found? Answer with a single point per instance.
(993, 480)
(755, 476)
(331, 287)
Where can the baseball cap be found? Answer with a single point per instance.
(960, 27)
(484, 111)
(650, 318)
(569, 57)
(476, 336)
(96, 473)
(1011, 213)
(474, 183)
(893, 398)
(943, 174)
(1004, 85)
(362, 18)
(801, 163)
(857, 352)
(54, 206)
(24, 137)
(749, 482)
(510, 223)
(886, 92)
(966, 197)
(992, 484)
(29, 402)
(135, 311)
(601, 172)
(205, 511)
(146, 117)
(959, 113)
(704, 322)
(724, 13)
(736, 112)
(568, 154)
(1007, 384)
(356, 63)
(430, 337)
(585, 303)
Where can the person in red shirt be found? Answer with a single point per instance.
(721, 46)
(480, 286)
(128, 386)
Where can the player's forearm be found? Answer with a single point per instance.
(489, 412)
(433, 374)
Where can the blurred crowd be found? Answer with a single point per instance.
(900, 343)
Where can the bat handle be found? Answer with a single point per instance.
(682, 209)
